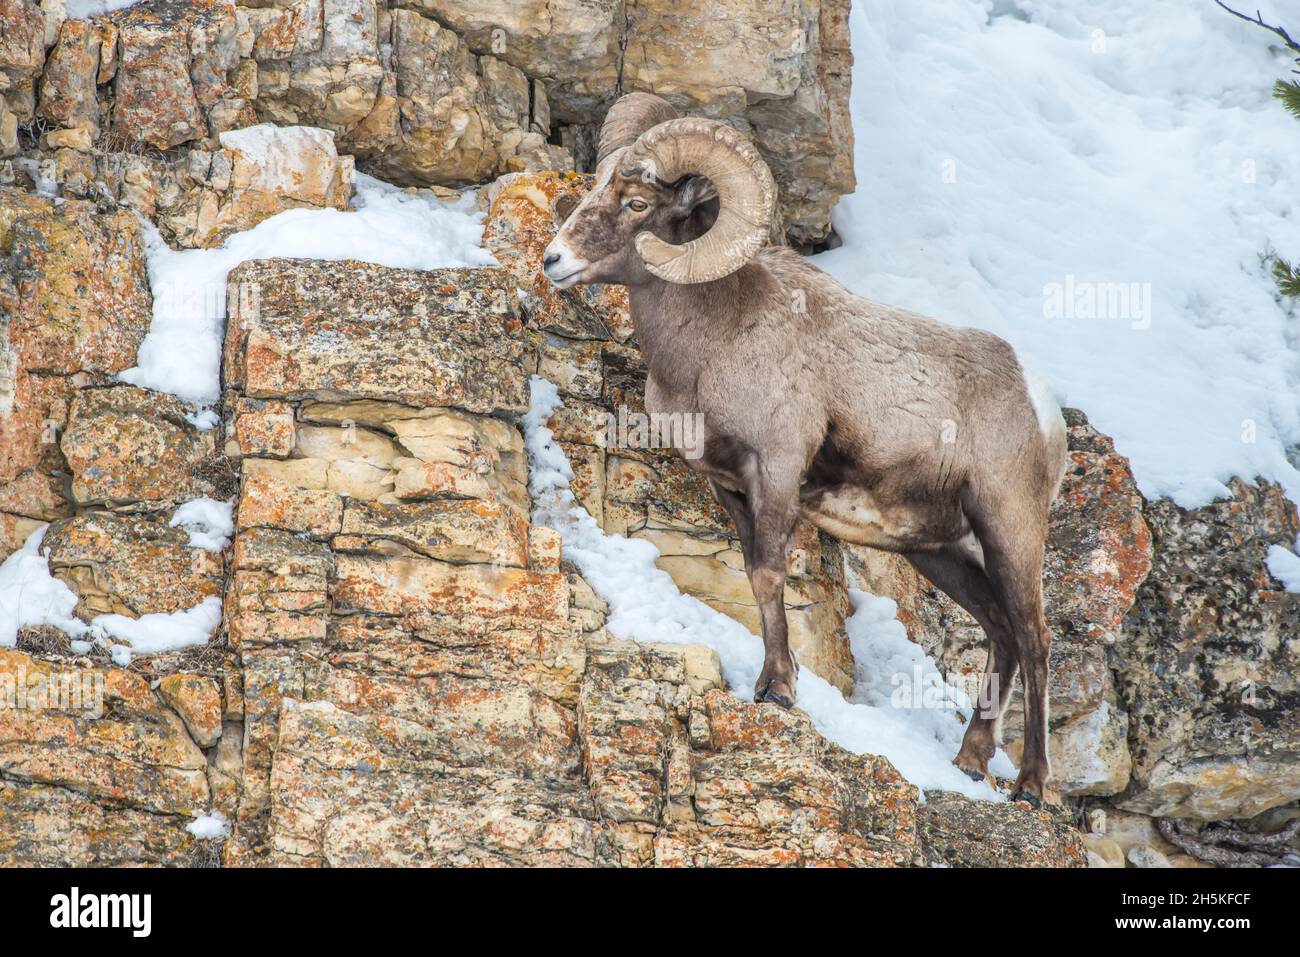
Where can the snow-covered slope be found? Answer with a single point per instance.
(1012, 155)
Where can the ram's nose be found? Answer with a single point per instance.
(559, 264)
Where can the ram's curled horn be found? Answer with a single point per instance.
(628, 118)
(746, 197)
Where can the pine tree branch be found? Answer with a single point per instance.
(1288, 93)
(1287, 279)
(1259, 22)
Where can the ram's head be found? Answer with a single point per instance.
(685, 199)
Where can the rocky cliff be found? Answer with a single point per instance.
(406, 670)
(408, 673)
(428, 93)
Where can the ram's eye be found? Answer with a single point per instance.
(637, 205)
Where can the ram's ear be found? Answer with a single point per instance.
(692, 193)
(563, 208)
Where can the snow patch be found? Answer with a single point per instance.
(155, 633)
(389, 227)
(210, 827)
(1284, 565)
(30, 596)
(211, 524)
(85, 9)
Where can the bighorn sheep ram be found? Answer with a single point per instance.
(879, 426)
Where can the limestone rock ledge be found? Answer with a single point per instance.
(94, 769)
(659, 768)
(74, 308)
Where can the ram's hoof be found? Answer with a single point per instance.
(1033, 800)
(973, 775)
(774, 697)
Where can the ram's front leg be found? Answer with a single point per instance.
(775, 507)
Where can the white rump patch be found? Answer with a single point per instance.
(1050, 420)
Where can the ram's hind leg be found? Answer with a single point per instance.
(965, 582)
(1013, 560)
(738, 509)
